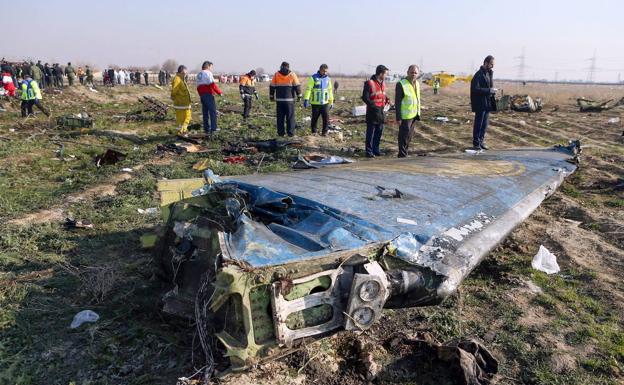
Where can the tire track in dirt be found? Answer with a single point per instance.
(519, 132)
(494, 129)
(440, 137)
(561, 129)
(533, 129)
(579, 134)
(419, 141)
(596, 162)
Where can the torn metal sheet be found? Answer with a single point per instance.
(278, 258)
(586, 105)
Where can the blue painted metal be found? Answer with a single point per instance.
(442, 196)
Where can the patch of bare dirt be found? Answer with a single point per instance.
(56, 214)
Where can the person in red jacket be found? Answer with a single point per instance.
(207, 89)
(7, 82)
(374, 95)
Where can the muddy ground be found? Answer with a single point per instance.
(561, 329)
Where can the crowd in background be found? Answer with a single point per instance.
(58, 76)
(46, 75)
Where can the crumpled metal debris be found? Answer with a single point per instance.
(152, 109)
(274, 261)
(587, 105)
(109, 157)
(81, 120)
(463, 361)
(525, 103)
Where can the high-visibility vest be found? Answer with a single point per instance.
(377, 93)
(410, 104)
(30, 90)
(319, 90)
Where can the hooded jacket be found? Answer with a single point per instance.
(285, 86)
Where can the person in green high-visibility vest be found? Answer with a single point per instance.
(407, 105)
(31, 96)
(320, 95)
(436, 86)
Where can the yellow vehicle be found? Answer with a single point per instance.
(446, 79)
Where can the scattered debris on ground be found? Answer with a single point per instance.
(71, 224)
(82, 317)
(545, 261)
(151, 109)
(587, 105)
(109, 157)
(81, 120)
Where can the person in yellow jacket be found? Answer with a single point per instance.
(320, 94)
(407, 105)
(181, 100)
(31, 96)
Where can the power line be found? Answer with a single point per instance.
(592, 68)
(521, 65)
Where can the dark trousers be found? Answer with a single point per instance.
(373, 137)
(209, 112)
(27, 107)
(70, 80)
(320, 110)
(480, 125)
(406, 131)
(246, 106)
(60, 81)
(146, 81)
(285, 114)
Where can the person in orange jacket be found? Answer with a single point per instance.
(247, 88)
(283, 90)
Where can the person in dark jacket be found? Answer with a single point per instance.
(161, 78)
(112, 79)
(58, 75)
(374, 95)
(146, 77)
(283, 90)
(43, 82)
(482, 101)
(47, 75)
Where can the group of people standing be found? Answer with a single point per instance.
(285, 91)
(120, 77)
(47, 75)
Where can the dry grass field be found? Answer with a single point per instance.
(566, 328)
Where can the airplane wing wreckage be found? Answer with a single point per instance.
(266, 261)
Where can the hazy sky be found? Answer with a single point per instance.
(559, 37)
